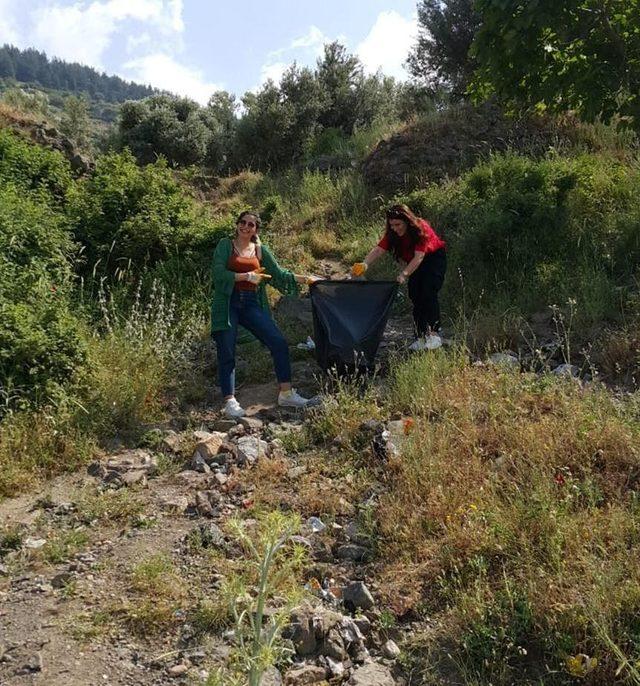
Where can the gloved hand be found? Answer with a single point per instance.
(257, 276)
(359, 268)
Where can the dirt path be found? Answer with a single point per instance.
(98, 580)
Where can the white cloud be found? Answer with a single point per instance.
(273, 71)
(8, 31)
(387, 45)
(134, 42)
(83, 31)
(303, 49)
(163, 71)
(314, 39)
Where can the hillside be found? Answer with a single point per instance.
(464, 516)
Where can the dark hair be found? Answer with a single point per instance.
(414, 227)
(256, 216)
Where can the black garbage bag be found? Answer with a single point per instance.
(348, 321)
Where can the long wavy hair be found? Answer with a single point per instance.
(414, 228)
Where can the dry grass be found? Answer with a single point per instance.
(512, 520)
(35, 446)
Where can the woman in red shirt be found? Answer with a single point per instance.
(422, 252)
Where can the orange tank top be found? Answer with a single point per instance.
(242, 265)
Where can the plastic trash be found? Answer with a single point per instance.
(307, 345)
(316, 524)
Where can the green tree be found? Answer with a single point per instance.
(441, 56)
(175, 128)
(339, 75)
(75, 120)
(581, 55)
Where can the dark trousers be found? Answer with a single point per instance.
(423, 286)
(245, 310)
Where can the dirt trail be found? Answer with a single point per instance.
(67, 595)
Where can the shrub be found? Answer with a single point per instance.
(128, 217)
(33, 168)
(524, 234)
(42, 344)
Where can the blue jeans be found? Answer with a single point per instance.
(244, 310)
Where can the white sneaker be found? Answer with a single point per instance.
(291, 398)
(426, 343)
(232, 409)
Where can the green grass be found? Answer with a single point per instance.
(510, 519)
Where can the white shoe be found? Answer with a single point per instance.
(426, 343)
(291, 398)
(232, 409)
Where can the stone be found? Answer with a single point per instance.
(177, 670)
(372, 674)
(175, 505)
(221, 459)
(34, 543)
(211, 535)
(390, 650)
(336, 667)
(357, 596)
(505, 360)
(302, 634)
(210, 446)
(307, 674)
(132, 460)
(250, 448)
(568, 370)
(97, 470)
(135, 476)
(203, 504)
(61, 580)
(353, 532)
(223, 425)
(363, 623)
(271, 677)
(199, 464)
(352, 552)
(171, 442)
(221, 478)
(251, 424)
(316, 525)
(34, 663)
(333, 645)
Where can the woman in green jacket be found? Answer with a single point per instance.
(241, 268)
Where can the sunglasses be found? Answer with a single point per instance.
(244, 222)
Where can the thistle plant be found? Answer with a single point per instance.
(264, 590)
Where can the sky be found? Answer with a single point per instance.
(195, 47)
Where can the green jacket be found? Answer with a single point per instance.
(224, 282)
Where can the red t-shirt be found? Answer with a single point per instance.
(429, 242)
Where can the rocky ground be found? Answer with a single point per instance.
(102, 572)
(86, 563)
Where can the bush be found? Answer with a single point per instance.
(525, 234)
(128, 217)
(42, 345)
(33, 168)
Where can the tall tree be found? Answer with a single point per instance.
(75, 120)
(581, 55)
(339, 75)
(441, 58)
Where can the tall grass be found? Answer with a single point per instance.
(511, 520)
